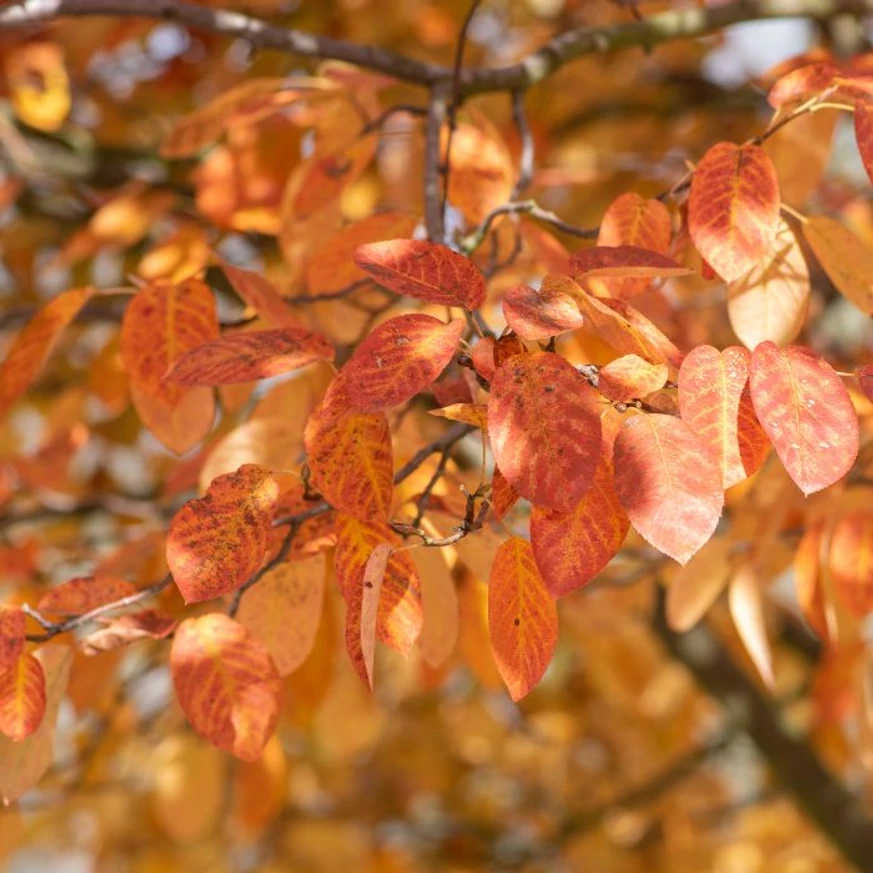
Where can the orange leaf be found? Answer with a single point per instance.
(623, 262)
(801, 83)
(37, 77)
(503, 495)
(864, 376)
(807, 578)
(401, 357)
(84, 593)
(469, 413)
(864, 134)
(126, 629)
(522, 618)
(32, 347)
(544, 429)
(806, 411)
(349, 456)
(667, 483)
(770, 302)
(697, 585)
(424, 270)
(846, 260)
(745, 603)
(333, 267)
(248, 356)
(851, 560)
(714, 400)
(536, 315)
(261, 295)
(283, 610)
(572, 547)
(13, 626)
(439, 606)
(226, 683)
(22, 698)
(399, 620)
(630, 377)
(218, 542)
(733, 209)
(160, 324)
(632, 220)
(362, 617)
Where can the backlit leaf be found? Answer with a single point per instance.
(629, 377)
(283, 610)
(33, 345)
(667, 483)
(13, 626)
(216, 543)
(539, 314)
(770, 302)
(745, 602)
(631, 220)
(161, 323)
(84, 593)
(503, 495)
(469, 413)
(127, 629)
(439, 606)
(423, 270)
(544, 429)
(362, 618)
(806, 412)
(572, 547)
(807, 578)
(801, 83)
(226, 684)
(401, 357)
(714, 399)
(851, 560)
(864, 376)
(522, 618)
(697, 585)
(864, 134)
(261, 295)
(620, 263)
(22, 698)
(37, 79)
(350, 460)
(733, 209)
(249, 355)
(846, 260)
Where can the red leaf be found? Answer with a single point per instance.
(217, 543)
(630, 377)
(622, 262)
(401, 357)
(13, 627)
(226, 683)
(801, 83)
(522, 618)
(349, 457)
(22, 698)
(119, 632)
(733, 209)
(536, 315)
(864, 133)
(503, 495)
(667, 483)
(714, 399)
(424, 270)
(544, 429)
(248, 356)
(84, 593)
(572, 547)
(806, 411)
(864, 376)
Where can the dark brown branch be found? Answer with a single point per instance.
(836, 811)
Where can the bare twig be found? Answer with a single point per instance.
(436, 116)
(526, 158)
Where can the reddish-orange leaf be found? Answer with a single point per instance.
(161, 323)
(226, 683)
(631, 220)
(283, 610)
(250, 355)
(349, 456)
(733, 209)
(865, 380)
(807, 578)
(801, 83)
(572, 547)
(13, 626)
(503, 495)
(439, 605)
(544, 429)
(332, 267)
(362, 617)
(401, 357)
(424, 270)
(261, 295)
(522, 618)
(33, 345)
(469, 413)
(864, 133)
(667, 483)
(770, 302)
(22, 697)
(399, 619)
(84, 593)
(851, 560)
(216, 543)
(714, 399)
(622, 262)
(806, 411)
(126, 629)
(629, 377)
(538, 314)
(482, 357)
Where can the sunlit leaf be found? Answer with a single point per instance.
(12, 629)
(261, 295)
(539, 314)
(127, 629)
(745, 602)
(629, 377)
(37, 78)
(851, 560)
(696, 586)
(439, 606)
(22, 698)
(623, 264)
(84, 593)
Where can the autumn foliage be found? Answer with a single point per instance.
(346, 389)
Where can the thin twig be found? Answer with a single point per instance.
(525, 135)
(436, 115)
